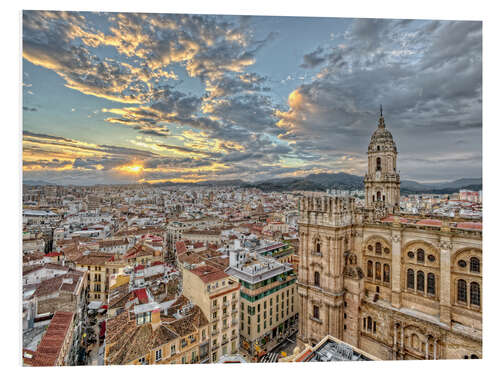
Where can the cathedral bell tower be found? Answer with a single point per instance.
(382, 185)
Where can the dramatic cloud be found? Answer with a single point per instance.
(426, 74)
(189, 97)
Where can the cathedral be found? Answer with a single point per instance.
(394, 285)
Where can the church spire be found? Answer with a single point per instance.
(381, 122)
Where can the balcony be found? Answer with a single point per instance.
(225, 341)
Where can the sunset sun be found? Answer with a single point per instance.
(133, 168)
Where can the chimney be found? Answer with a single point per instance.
(155, 319)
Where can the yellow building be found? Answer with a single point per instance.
(99, 267)
(218, 296)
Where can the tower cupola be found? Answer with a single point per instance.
(382, 185)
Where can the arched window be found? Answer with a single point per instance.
(462, 291)
(420, 256)
(379, 164)
(475, 294)
(410, 279)
(318, 246)
(379, 196)
(316, 278)
(387, 273)
(378, 248)
(473, 356)
(374, 326)
(369, 270)
(369, 323)
(431, 284)
(474, 265)
(420, 281)
(378, 271)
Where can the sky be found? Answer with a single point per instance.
(134, 97)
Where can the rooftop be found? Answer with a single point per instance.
(52, 342)
(257, 268)
(331, 349)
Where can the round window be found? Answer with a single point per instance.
(411, 254)
(370, 247)
(386, 250)
(462, 263)
(431, 258)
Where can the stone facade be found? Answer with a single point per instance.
(395, 286)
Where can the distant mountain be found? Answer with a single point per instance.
(202, 183)
(322, 182)
(457, 184)
(36, 183)
(312, 182)
(345, 181)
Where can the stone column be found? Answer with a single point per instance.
(395, 342)
(435, 348)
(396, 264)
(427, 348)
(329, 322)
(445, 279)
(402, 344)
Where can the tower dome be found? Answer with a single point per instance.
(381, 139)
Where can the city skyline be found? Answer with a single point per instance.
(124, 97)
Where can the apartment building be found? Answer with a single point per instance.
(100, 267)
(268, 299)
(217, 294)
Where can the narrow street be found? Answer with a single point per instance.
(286, 346)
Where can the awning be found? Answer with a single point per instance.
(94, 305)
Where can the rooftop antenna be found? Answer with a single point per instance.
(381, 110)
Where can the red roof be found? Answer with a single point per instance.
(433, 222)
(141, 295)
(53, 340)
(180, 246)
(303, 356)
(139, 267)
(208, 274)
(157, 263)
(53, 254)
(390, 219)
(466, 225)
